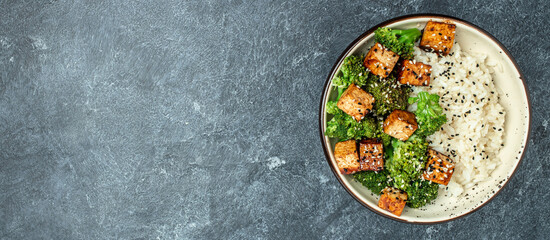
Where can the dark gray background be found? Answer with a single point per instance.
(170, 119)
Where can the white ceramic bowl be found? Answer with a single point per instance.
(513, 98)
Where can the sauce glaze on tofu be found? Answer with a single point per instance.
(414, 73)
(371, 155)
(400, 124)
(347, 157)
(393, 200)
(439, 168)
(356, 102)
(438, 37)
(380, 60)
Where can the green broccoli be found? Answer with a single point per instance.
(407, 160)
(344, 127)
(332, 108)
(398, 41)
(375, 181)
(386, 139)
(429, 114)
(352, 71)
(388, 94)
(421, 192)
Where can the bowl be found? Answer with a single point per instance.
(513, 97)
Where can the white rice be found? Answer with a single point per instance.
(473, 140)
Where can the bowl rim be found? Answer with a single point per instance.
(399, 19)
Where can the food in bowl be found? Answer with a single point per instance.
(408, 118)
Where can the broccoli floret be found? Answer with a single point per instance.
(385, 138)
(421, 193)
(407, 160)
(344, 127)
(367, 128)
(332, 108)
(352, 71)
(429, 113)
(398, 41)
(336, 127)
(388, 94)
(375, 181)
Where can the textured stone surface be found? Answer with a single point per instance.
(176, 119)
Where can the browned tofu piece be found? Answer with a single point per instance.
(439, 168)
(393, 200)
(415, 73)
(371, 155)
(438, 37)
(380, 60)
(400, 124)
(347, 157)
(356, 102)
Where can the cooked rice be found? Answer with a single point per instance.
(473, 134)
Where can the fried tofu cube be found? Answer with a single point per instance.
(380, 60)
(393, 200)
(400, 124)
(439, 168)
(347, 157)
(356, 102)
(371, 155)
(438, 37)
(415, 73)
